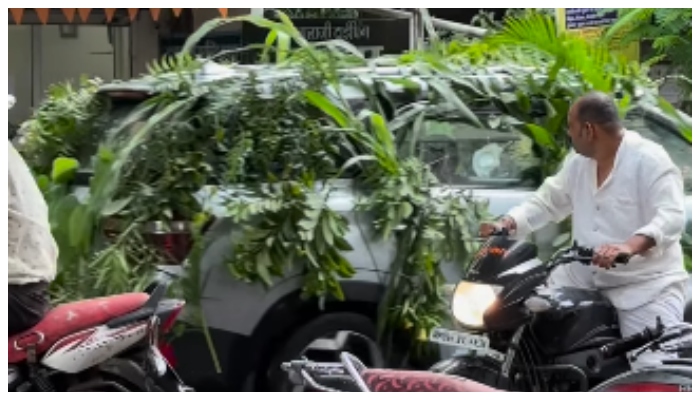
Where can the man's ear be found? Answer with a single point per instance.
(591, 132)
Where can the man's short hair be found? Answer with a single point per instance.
(600, 109)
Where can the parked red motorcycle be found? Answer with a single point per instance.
(107, 344)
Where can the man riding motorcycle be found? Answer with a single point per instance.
(32, 251)
(625, 196)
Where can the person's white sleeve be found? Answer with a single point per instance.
(551, 202)
(664, 194)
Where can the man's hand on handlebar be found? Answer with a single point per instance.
(608, 255)
(506, 224)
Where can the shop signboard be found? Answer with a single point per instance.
(590, 23)
(373, 37)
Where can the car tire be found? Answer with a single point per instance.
(329, 324)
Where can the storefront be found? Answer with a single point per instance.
(51, 45)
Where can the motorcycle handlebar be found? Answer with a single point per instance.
(650, 338)
(628, 344)
(584, 255)
(575, 253)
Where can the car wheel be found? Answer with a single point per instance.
(323, 340)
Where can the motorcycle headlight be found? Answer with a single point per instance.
(471, 300)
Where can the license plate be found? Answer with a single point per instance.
(459, 339)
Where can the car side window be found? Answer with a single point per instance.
(463, 155)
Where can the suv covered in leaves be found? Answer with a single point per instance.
(333, 211)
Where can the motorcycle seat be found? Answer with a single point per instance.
(379, 380)
(71, 318)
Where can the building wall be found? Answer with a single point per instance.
(20, 71)
(145, 33)
(90, 53)
(39, 56)
(144, 43)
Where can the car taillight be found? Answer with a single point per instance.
(166, 350)
(173, 240)
(644, 387)
(170, 320)
(166, 326)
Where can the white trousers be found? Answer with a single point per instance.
(669, 306)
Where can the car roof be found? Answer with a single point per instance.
(212, 72)
(266, 75)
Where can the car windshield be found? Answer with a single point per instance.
(460, 154)
(678, 148)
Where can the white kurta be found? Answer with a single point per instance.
(643, 195)
(32, 251)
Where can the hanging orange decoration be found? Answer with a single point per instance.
(43, 14)
(109, 13)
(155, 12)
(69, 13)
(84, 13)
(133, 12)
(17, 14)
(223, 12)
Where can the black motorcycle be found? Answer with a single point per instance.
(516, 334)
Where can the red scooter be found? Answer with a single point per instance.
(100, 345)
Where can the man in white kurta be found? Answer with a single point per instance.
(625, 195)
(32, 251)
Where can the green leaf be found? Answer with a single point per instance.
(262, 265)
(80, 226)
(216, 23)
(327, 232)
(342, 45)
(43, 182)
(407, 115)
(342, 244)
(383, 133)
(406, 210)
(115, 207)
(451, 98)
(326, 106)
(61, 211)
(269, 42)
(683, 124)
(64, 169)
(284, 45)
(541, 136)
(355, 160)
